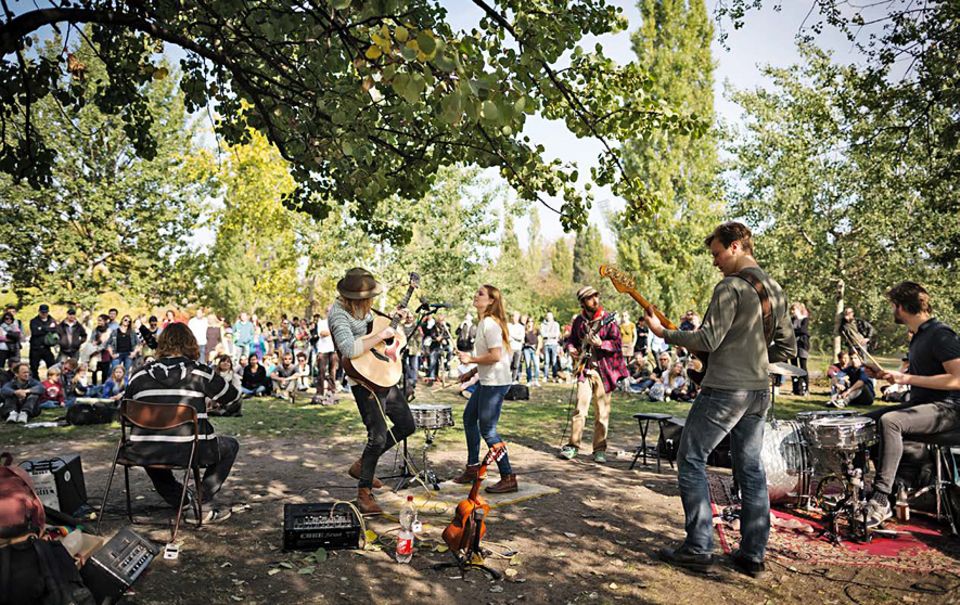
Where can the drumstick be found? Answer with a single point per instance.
(864, 353)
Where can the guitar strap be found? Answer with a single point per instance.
(766, 308)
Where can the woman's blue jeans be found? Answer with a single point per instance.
(125, 359)
(532, 364)
(480, 418)
(550, 361)
(714, 414)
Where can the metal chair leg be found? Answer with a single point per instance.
(106, 493)
(199, 499)
(126, 481)
(938, 456)
(183, 498)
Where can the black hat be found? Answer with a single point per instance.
(71, 311)
(44, 308)
(358, 284)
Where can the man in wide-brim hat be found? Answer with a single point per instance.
(349, 321)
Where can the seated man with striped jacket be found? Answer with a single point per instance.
(177, 377)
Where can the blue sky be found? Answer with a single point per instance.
(768, 37)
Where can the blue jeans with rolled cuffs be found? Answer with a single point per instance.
(714, 414)
(480, 418)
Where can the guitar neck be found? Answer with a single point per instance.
(403, 303)
(647, 306)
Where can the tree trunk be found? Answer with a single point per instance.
(841, 290)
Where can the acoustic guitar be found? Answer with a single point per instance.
(382, 366)
(625, 284)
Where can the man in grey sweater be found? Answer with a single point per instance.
(734, 399)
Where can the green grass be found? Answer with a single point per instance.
(538, 421)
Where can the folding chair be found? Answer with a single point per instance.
(157, 417)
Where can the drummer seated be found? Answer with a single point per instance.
(861, 391)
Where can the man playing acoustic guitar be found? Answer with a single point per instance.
(599, 376)
(737, 329)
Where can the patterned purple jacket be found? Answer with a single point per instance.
(608, 359)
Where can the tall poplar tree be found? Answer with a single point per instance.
(664, 251)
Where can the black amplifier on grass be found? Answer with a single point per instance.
(59, 482)
(323, 524)
(115, 567)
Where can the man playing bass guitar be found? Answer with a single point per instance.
(599, 376)
(748, 311)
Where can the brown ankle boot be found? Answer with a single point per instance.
(355, 473)
(506, 485)
(469, 474)
(366, 502)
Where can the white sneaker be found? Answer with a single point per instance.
(22, 418)
(12, 417)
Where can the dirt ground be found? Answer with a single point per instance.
(593, 542)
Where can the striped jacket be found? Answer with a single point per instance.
(173, 380)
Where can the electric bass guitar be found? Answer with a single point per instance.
(382, 366)
(625, 284)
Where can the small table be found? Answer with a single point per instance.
(643, 419)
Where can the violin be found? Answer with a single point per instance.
(468, 525)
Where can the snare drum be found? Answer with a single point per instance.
(843, 433)
(784, 458)
(805, 418)
(432, 416)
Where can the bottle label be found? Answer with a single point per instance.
(404, 546)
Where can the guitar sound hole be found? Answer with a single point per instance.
(379, 355)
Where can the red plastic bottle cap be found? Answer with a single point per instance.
(409, 498)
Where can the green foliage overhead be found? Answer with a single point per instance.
(108, 219)
(365, 99)
(664, 249)
(837, 223)
(906, 93)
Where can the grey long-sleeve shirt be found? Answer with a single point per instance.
(732, 332)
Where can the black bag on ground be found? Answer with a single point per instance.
(90, 413)
(517, 391)
(39, 572)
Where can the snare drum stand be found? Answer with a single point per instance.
(426, 474)
(851, 505)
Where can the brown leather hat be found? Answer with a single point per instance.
(358, 284)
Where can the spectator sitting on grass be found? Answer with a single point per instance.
(224, 369)
(674, 382)
(285, 377)
(254, 381)
(861, 390)
(305, 380)
(839, 380)
(53, 394)
(21, 395)
(114, 386)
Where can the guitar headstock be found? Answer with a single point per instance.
(621, 280)
(414, 279)
(497, 452)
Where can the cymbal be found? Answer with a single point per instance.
(785, 369)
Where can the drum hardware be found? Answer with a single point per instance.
(850, 504)
(429, 418)
(840, 444)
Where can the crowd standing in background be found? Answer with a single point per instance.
(92, 355)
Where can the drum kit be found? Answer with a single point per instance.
(819, 459)
(429, 418)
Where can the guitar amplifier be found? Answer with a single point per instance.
(59, 483)
(312, 526)
(115, 567)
